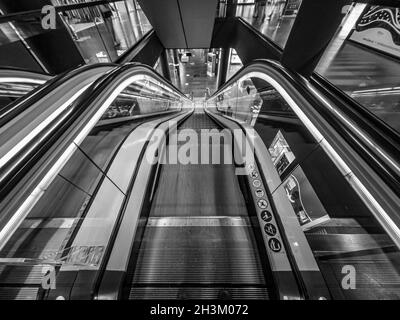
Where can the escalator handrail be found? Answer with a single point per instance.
(21, 163)
(12, 110)
(376, 159)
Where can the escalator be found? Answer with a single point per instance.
(199, 241)
(92, 218)
(43, 239)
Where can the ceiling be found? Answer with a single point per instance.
(182, 23)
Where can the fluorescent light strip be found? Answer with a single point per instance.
(21, 144)
(20, 80)
(358, 186)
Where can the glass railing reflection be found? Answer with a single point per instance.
(101, 33)
(104, 32)
(273, 18)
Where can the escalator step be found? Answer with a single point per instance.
(198, 293)
(18, 293)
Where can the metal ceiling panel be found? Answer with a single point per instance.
(182, 23)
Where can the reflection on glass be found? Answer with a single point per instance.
(304, 200)
(340, 229)
(246, 98)
(138, 100)
(235, 64)
(281, 154)
(104, 32)
(141, 20)
(363, 60)
(273, 18)
(43, 240)
(71, 221)
(94, 33)
(21, 28)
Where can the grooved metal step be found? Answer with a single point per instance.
(198, 293)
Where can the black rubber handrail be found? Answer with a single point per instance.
(12, 172)
(385, 138)
(13, 68)
(13, 109)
